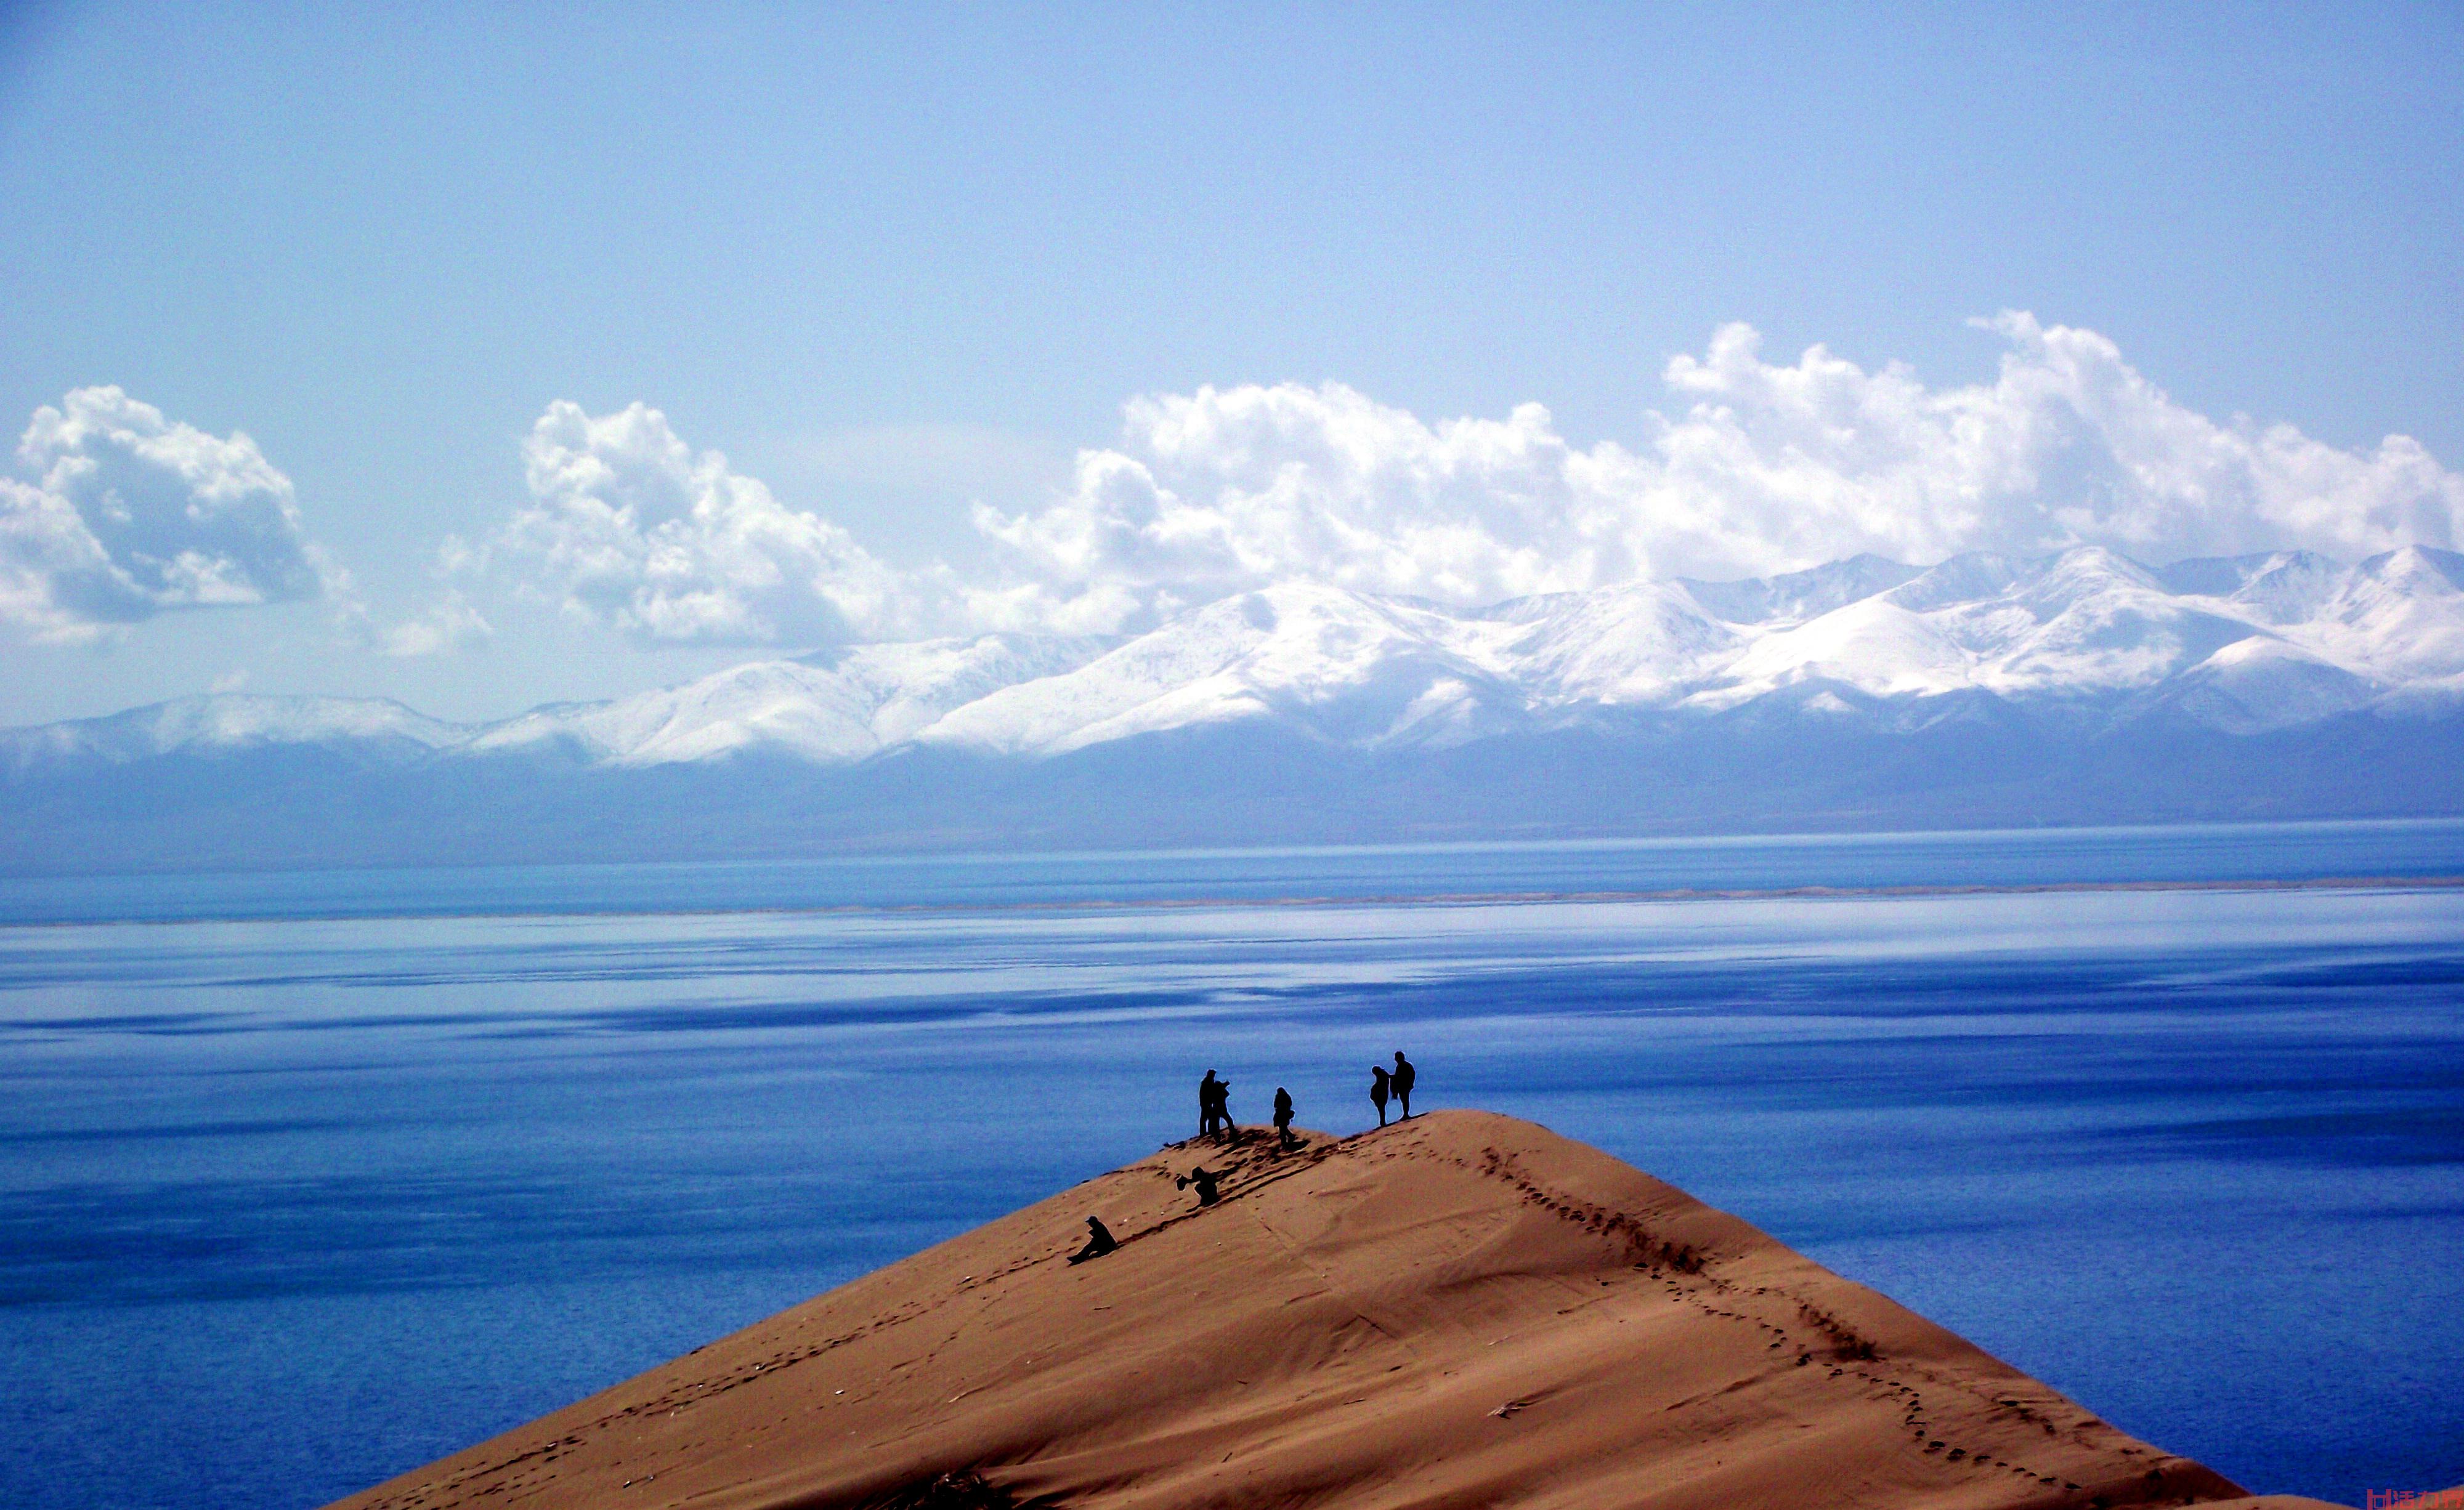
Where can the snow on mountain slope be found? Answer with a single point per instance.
(1647, 642)
(2086, 623)
(2243, 645)
(2281, 588)
(2398, 616)
(229, 721)
(1334, 664)
(779, 705)
(1977, 577)
(1799, 596)
(913, 687)
(831, 709)
(2094, 622)
(2259, 683)
(2265, 640)
(1873, 645)
(2082, 625)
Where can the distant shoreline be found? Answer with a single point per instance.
(1432, 899)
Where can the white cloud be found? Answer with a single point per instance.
(449, 621)
(629, 527)
(1762, 467)
(2070, 445)
(450, 624)
(119, 513)
(1229, 488)
(1770, 467)
(130, 515)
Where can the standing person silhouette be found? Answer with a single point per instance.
(1404, 1076)
(1284, 1117)
(1378, 1082)
(1210, 1095)
(1223, 1110)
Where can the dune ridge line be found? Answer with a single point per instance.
(1462, 1310)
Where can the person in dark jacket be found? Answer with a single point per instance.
(1224, 1122)
(1206, 1180)
(1099, 1241)
(1404, 1076)
(1283, 1118)
(1210, 1103)
(1377, 1087)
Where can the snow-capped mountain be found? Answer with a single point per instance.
(2279, 642)
(1798, 595)
(1351, 669)
(226, 721)
(2237, 645)
(830, 709)
(2079, 686)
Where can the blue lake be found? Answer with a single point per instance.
(311, 1179)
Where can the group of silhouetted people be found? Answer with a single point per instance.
(1214, 1106)
(1215, 1112)
(1215, 1101)
(1214, 1121)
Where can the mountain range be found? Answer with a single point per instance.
(2073, 687)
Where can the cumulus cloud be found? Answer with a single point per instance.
(2070, 445)
(629, 526)
(1755, 466)
(1225, 489)
(129, 514)
(1768, 467)
(119, 513)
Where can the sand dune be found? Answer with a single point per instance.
(1463, 1311)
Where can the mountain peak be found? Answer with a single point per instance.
(2438, 570)
(1795, 596)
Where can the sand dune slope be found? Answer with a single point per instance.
(1463, 1311)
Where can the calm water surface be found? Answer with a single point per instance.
(365, 1168)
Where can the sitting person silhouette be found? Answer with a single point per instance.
(1205, 1179)
(1283, 1118)
(1099, 1241)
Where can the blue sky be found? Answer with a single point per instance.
(902, 266)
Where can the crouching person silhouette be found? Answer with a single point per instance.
(1099, 1241)
(1206, 1180)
